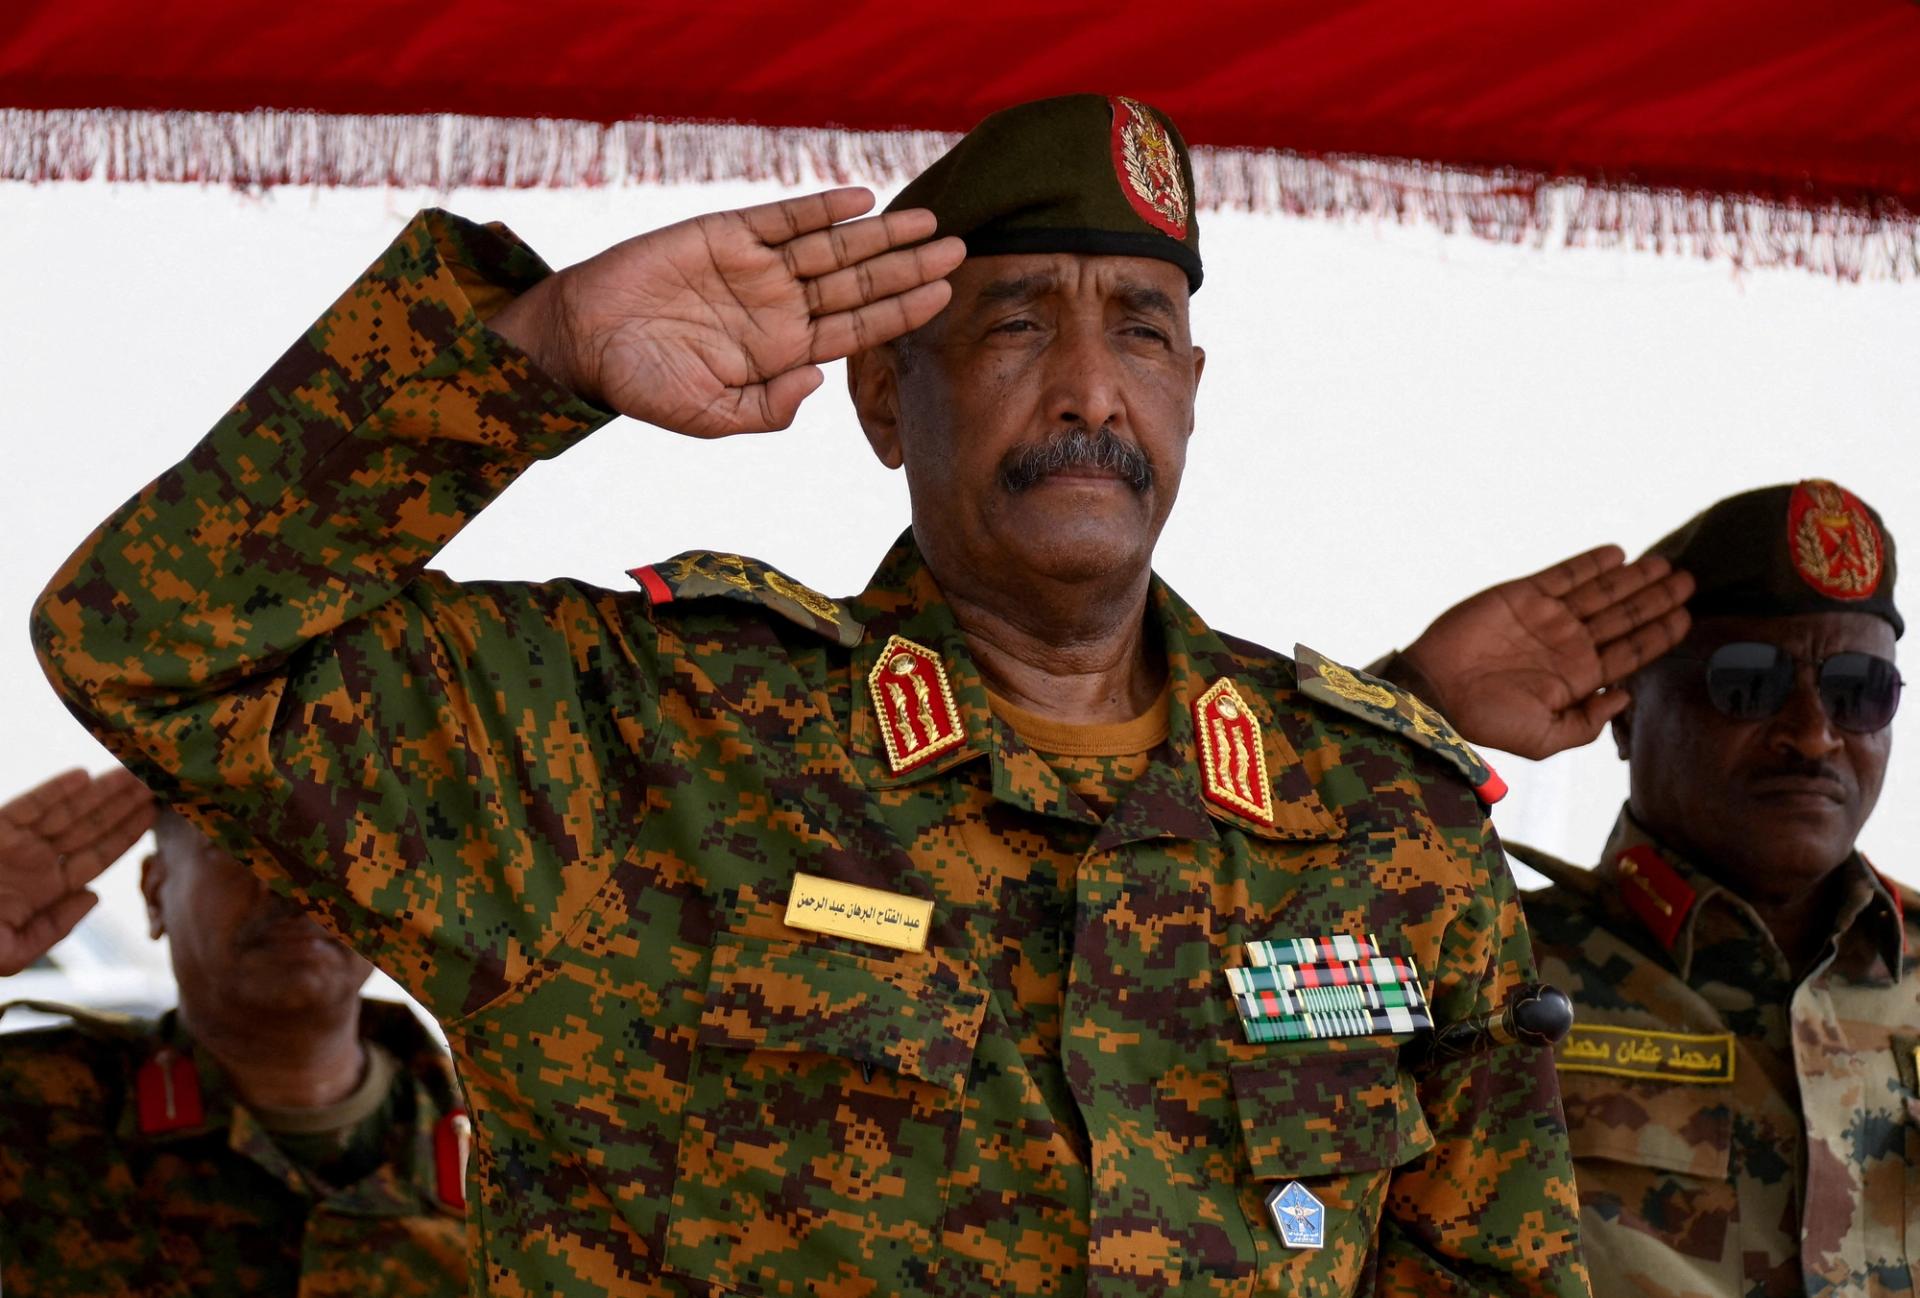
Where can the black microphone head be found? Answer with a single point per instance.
(1542, 1015)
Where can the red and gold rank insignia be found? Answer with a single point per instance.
(913, 704)
(1837, 549)
(1148, 166)
(1233, 760)
(1654, 892)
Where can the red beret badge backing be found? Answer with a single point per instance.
(1834, 541)
(1148, 167)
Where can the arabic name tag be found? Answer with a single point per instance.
(863, 914)
(1700, 1058)
(1297, 1215)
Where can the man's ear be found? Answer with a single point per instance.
(153, 877)
(1199, 368)
(873, 382)
(1622, 727)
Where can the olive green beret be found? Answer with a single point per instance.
(1095, 174)
(1805, 547)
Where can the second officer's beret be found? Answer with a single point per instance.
(1804, 547)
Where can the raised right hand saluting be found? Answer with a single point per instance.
(718, 325)
(54, 840)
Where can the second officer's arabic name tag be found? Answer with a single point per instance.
(863, 914)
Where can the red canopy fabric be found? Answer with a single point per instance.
(1767, 130)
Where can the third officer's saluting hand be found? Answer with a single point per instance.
(718, 325)
(54, 840)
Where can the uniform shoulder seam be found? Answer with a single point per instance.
(1400, 713)
(695, 575)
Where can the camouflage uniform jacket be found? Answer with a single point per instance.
(129, 1170)
(568, 820)
(1735, 1131)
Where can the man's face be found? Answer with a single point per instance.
(237, 948)
(1773, 804)
(1043, 417)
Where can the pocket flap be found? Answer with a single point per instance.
(1669, 1125)
(1336, 1111)
(765, 995)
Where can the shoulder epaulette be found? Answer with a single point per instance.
(99, 1023)
(1392, 708)
(1564, 874)
(703, 574)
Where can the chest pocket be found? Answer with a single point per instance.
(1338, 1122)
(1652, 1162)
(818, 1132)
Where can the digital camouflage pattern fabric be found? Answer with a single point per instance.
(1735, 1132)
(98, 1202)
(568, 821)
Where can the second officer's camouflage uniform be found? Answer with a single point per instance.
(1740, 1127)
(571, 822)
(1736, 1130)
(129, 1169)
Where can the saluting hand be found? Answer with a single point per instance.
(1521, 667)
(718, 325)
(54, 840)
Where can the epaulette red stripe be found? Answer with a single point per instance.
(650, 581)
(1491, 789)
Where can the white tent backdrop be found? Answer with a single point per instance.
(1391, 419)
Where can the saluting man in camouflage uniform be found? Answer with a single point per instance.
(274, 1135)
(1001, 930)
(1740, 1082)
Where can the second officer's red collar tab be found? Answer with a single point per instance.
(1654, 891)
(1385, 705)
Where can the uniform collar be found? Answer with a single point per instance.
(1671, 898)
(903, 600)
(179, 1092)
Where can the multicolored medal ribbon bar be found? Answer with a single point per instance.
(1306, 989)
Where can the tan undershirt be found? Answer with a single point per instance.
(1095, 762)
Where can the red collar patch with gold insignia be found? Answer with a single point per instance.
(1233, 760)
(1836, 547)
(1654, 892)
(1148, 167)
(913, 704)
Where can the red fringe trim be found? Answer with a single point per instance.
(267, 147)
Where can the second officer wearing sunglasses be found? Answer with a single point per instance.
(1740, 1084)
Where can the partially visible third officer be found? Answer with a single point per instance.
(274, 1135)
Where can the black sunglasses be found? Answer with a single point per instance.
(1748, 680)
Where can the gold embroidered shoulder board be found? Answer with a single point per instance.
(704, 574)
(1392, 708)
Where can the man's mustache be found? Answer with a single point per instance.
(1789, 767)
(1076, 448)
